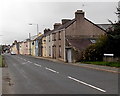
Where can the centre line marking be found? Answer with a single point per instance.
(29, 61)
(51, 70)
(86, 84)
(24, 59)
(37, 65)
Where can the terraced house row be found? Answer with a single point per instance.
(65, 42)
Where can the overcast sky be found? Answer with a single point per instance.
(15, 15)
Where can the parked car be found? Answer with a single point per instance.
(13, 53)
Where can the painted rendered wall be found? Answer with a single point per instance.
(49, 44)
(44, 46)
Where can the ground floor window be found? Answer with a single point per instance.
(49, 51)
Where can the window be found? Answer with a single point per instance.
(33, 43)
(59, 35)
(93, 41)
(53, 37)
(60, 50)
(49, 37)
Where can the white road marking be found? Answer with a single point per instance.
(37, 65)
(51, 70)
(29, 61)
(86, 84)
(24, 59)
(24, 63)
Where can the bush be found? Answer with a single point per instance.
(95, 51)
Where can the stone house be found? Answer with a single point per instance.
(73, 36)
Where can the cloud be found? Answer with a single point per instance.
(16, 14)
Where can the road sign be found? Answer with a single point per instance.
(108, 54)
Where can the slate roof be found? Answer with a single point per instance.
(61, 27)
(96, 25)
(66, 24)
(101, 26)
(105, 26)
(79, 44)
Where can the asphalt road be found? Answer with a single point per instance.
(37, 76)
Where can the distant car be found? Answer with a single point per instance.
(13, 53)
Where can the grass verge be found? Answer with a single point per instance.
(1, 61)
(111, 64)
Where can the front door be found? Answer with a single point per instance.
(54, 51)
(69, 56)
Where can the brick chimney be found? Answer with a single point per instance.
(56, 25)
(65, 21)
(79, 15)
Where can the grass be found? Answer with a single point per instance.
(1, 61)
(111, 64)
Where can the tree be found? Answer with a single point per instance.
(95, 51)
(0, 49)
(110, 43)
(113, 45)
(114, 38)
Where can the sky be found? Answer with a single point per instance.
(15, 15)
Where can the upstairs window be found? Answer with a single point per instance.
(49, 37)
(33, 43)
(54, 37)
(59, 35)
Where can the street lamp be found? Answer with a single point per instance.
(37, 27)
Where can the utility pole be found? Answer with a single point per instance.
(37, 27)
(30, 43)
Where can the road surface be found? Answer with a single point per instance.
(37, 76)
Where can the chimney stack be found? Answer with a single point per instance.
(46, 30)
(79, 15)
(65, 21)
(56, 25)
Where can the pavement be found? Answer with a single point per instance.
(29, 75)
(92, 66)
